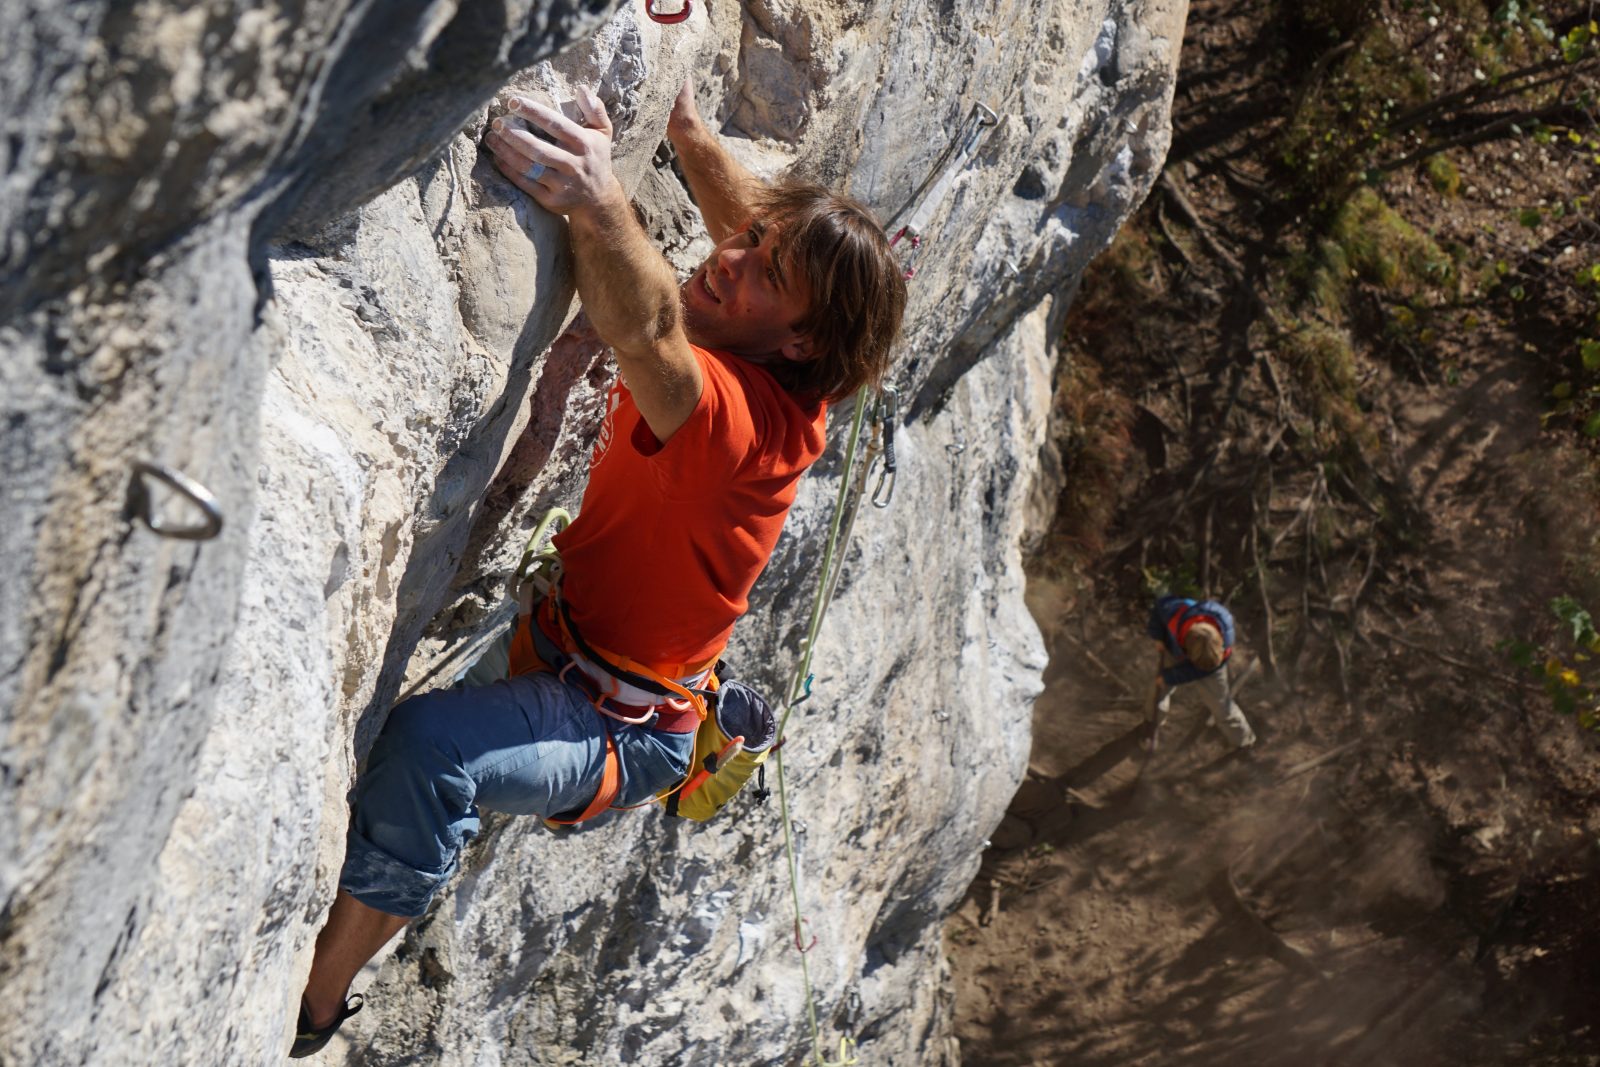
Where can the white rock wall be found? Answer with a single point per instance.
(386, 426)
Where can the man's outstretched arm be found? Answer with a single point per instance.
(628, 290)
(723, 189)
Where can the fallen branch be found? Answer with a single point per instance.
(1487, 132)
(1502, 87)
(1186, 208)
(1183, 253)
(992, 910)
(1266, 600)
(1280, 950)
(1445, 657)
(1078, 798)
(1316, 761)
(1307, 504)
(1107, 671)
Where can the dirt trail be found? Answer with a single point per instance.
(1403, 871)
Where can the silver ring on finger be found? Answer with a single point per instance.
(535, 171)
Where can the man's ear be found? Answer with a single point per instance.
(798, 350)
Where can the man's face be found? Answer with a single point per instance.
(742, 300)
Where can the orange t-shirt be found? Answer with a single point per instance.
(659, 563)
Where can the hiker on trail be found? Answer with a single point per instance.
(1196, 639)
(718, 410)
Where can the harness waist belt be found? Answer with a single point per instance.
(597, 683)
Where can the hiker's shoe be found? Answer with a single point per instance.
(308, 1039)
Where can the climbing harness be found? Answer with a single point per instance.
(910, 223)
(674, 708)
(734, 727)
(141, 506)
(888, 414)
(652, 8)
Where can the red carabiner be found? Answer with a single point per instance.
(667, 20)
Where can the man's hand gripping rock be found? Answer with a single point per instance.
(573, 174)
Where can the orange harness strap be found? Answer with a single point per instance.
(610, 786)
(525, 660)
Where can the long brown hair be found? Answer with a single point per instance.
(858, 288)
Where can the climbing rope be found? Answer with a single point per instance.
(853, 477)
(799, 689)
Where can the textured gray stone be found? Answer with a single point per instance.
(289, 273)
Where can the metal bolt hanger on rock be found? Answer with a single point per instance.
(668, 12)
(141, 505)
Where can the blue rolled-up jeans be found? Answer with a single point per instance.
(529, 745)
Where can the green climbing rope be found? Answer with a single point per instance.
(819, 608)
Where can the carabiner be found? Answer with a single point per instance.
(534, 558)
(888, 414)
(913, 240)
(803, 697)
(667, 20)
(140, 505)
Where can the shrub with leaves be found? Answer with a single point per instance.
(1568, 667)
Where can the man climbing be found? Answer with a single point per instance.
(1196, 639)
(718, 410)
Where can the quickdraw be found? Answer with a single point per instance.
(918, 209)
(888, 414)
(667, 18)
(141, 506)
(914, 240)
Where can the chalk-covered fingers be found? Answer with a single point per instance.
(533, 165)
(570, 175)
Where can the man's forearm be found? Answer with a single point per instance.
(724, 190)
(628, 291)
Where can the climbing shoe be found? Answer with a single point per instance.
(308, 1039)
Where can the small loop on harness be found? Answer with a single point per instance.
(600, 706)
(141, 507)
(888, 415)
(666, 19)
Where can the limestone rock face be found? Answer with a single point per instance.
(257, 243)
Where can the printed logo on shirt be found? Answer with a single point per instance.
(608, 426)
